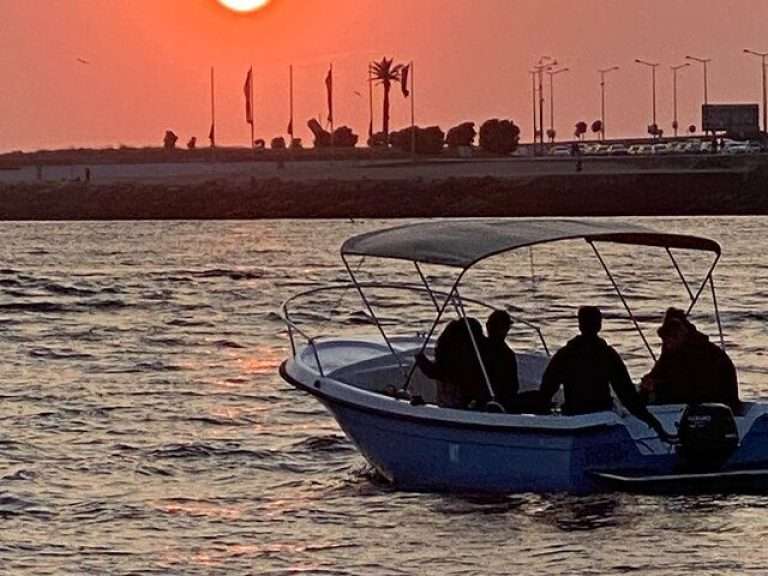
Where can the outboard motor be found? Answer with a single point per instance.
(708, 436)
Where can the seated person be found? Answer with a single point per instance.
(691, 369)
(587, 368)
(456, 367)
(500, 361)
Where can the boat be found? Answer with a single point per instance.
(387, 407)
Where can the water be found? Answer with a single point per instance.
(144, 429)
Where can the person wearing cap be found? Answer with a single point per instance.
(690, 369)
(587, 368)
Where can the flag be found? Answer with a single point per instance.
(212, 135)
(404, 80)
(248, 89)
(329, 88)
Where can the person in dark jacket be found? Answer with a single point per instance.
(587, 368)
(456, 368)
(691, 369)
(500, 360)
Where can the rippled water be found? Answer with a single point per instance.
(145, 429)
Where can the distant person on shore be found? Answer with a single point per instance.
(587, 368)
(576, 151)
(691, 369)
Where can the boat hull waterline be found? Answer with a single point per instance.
(427, 448)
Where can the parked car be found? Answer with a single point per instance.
(560, 150)
(745, 147)
(617, 150)
(640, 149)
(662, 149)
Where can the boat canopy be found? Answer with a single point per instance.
(462, 243)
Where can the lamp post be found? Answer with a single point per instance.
(703, 61)
(603, 72)
(674, 93)
(535, 122)
(552, 74)
(762, 59)
(544, 63)
(652, 66)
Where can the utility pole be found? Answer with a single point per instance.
(762, 60)
(674, 93)
(652, 66)
(603, 72)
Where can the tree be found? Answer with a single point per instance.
(692, 129)
(461, 135)
(581, 129)
(499, 136)
(277, 143)
(192, 143)
(385, 73)
(551, 133)
(597, 127)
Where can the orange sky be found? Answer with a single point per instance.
(150, 60)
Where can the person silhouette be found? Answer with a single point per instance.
(588, 368)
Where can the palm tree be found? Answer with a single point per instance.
(385, 73)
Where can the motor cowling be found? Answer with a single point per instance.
(708, 436)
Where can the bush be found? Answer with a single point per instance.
(192, 143)
(169, 140)
(499, 136)
(343, 137)
(277, 143)
(428, 140)
(461, 135)
(378, 140)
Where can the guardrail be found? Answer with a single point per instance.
(293, 327)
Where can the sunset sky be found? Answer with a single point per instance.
(149, 61)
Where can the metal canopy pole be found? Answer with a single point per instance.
(703, 285)
(717, 312)
(373, 315)
(476, 348)
(680, 273)
(426, 285)
(623, 301)
(440, 313)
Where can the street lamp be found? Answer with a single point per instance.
(762, 57)
(552, 74)
(652, 66)
(674, 93)
(703, 61)
(603, 72)
(544, 63)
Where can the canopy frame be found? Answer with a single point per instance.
(636, 236)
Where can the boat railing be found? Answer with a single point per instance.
(294, 329)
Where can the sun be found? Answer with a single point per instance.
(244, 5)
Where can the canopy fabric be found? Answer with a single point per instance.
(462, 243)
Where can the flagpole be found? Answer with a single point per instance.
(290, 91)
(413, 114)
(370, 105)
(213, 111)
(253, 144)
(331, 110)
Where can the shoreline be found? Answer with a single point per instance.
(633, 193)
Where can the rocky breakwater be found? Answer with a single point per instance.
(577, 194)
